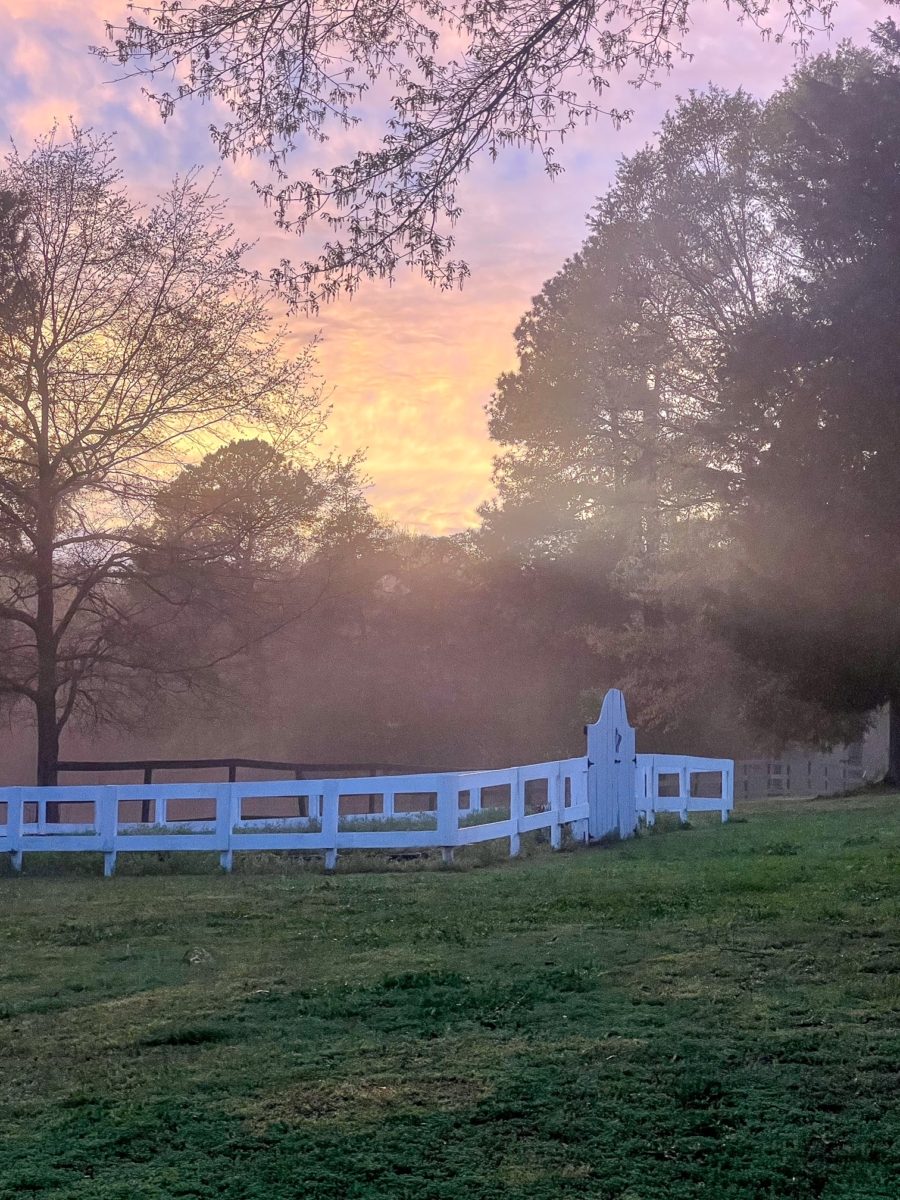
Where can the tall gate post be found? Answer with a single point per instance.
(611, 770)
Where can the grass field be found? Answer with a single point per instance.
(707, 1013)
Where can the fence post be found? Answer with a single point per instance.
(647, 782)
(684, 792)
(581, 795)
(727, 791)
(448, 815)
(516, 811)
(653, 792)
(15, 813)
(109, 828)
(330, 802)
(554, 803)
(227, 797)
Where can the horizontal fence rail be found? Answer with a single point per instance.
(378, 812)
(677, 784)
(398, 812)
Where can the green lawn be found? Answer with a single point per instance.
(706, 1013)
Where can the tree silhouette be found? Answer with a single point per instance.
(133, 335)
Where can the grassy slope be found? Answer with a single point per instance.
(710, 1013)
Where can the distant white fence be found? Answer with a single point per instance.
(674, 784)
(821, 774)
(591, 796)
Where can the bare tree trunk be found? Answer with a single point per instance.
(47, 739)
(623, 531)
(45, 639)
(649, 468)
(651, 513)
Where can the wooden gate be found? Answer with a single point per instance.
(611, 770)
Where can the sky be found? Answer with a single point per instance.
(408, 369)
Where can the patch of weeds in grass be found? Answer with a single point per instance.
(664, 823)
(483, 816)
(425, 821)
(388, 862)
(483, 854)
(610, 839)
(166, 862)
(282, 825)
(187, 1035)
(781, 849)
(170, 829)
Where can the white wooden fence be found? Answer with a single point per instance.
(605, 793)
(411, 812)
(821, 774)
(670, 783)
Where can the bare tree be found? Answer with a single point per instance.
(138, 337)
(466, 77)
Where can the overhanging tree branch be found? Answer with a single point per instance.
(467, 78)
